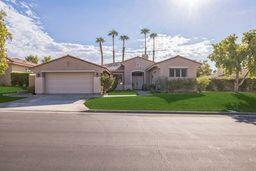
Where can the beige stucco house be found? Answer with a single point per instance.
(71, 75)
(135, 72)
(68, 75)
(15, 65)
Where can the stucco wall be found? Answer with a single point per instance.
(135, 64)
(6, 78)
(178, 63)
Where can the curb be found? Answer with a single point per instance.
(169, 112)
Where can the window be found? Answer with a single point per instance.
(178, 72)
(171, 72)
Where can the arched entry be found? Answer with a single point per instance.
(137, 80)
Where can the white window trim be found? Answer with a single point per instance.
(180, 72)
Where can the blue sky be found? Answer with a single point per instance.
(186, 27)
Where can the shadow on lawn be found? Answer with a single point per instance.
(173, 97)
(246, 103)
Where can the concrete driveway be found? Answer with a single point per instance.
(48, 103)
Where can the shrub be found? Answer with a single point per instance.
(20, 79)
(107, 82)
(202, 83)
(175, 85)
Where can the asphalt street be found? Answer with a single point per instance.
(32, 141)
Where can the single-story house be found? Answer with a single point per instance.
(15, 65)
(135, 72)
(71, 75)
(68, 75)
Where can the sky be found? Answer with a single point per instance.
(185, 27)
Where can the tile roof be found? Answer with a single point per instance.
(21, 62)
(117, 66)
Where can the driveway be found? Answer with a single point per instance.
(48, 103)
(42, 141)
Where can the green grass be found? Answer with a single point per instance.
(208, 101)
(4, 90)
(123, 92)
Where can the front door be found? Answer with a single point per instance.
(137, 80)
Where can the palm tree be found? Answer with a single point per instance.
(113, 34)
(123, 38)
(100, 40)
(145, 31)
(153, 36)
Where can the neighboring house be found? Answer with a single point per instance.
(135, 72)
(68, 75)
(71, 75)
(15, 65)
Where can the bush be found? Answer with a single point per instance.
(176, 85)
(148, 87)
(107, 82)
(20, 79)
(227, 84)
(202, 83)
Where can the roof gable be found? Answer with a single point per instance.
(178, 56)
(68, 57)
(138, 57)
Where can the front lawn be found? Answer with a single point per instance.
(122, 92)
(208, 101)
(4, 90)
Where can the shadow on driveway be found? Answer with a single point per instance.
(245, 119)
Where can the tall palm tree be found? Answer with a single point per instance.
(145, 31)
(123, 38)
(153, 36)
(113, 34)
(100, 40)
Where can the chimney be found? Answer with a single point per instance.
(145, 56)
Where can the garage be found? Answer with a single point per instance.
(68, 83)
(68, 75)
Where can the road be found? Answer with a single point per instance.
(43, 141)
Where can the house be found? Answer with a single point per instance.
(15, 65)
(71, 75)
(68, 75)
(135, 72)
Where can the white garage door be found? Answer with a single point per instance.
(68, 83)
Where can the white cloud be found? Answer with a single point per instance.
(30, 38)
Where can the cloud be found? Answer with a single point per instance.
(29, 37)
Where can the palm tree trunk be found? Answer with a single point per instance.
(101, 52)
(153, 49)
(113, 39)
(145, 44)
(123, 50)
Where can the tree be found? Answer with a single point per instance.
(153, 36)
(107, 82)
(235, 57)
(100, 40)
(145, 31)
(32, 58)
(204, 69)
(113, 34)
(4, 36)
(47, 59)
(123, 38)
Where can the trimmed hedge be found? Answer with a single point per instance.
(176, 85)
(249, 85)
(20, 79)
